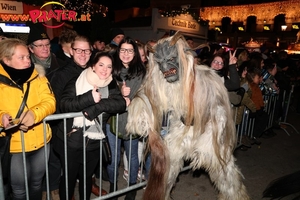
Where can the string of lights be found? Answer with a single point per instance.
(185, 10)
(81, 7)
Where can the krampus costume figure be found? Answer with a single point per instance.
(201, 124)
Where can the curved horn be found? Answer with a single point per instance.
(175, 38)
(202, 46)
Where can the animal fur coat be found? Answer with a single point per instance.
(201, 125)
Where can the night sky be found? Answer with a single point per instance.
(123, 4)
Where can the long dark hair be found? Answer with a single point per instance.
(136, 66)
(224, 70)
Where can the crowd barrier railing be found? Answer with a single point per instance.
(63, 119)
(285, 105)
(246, 127)
(116, 192)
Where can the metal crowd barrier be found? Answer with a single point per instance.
(285, 105)
(247, 125)
(118, 192)
(245, 128)
(63, 118)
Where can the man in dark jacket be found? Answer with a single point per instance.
(59, 80)
(39, 46)
(78, 97)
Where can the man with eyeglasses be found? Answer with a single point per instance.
(39, 46)
(81, 51)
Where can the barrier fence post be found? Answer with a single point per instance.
(286, 103)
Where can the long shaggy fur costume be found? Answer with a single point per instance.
(201, 126)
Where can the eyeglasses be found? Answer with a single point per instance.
(86, 51)
(129, 51)
(217, 62)
(41, 45)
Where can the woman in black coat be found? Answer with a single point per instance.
(94, 92)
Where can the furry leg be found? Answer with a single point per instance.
(177, 151)
(176, 163)
(228, 182)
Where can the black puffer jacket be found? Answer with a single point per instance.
(61, 77)
(115, 103)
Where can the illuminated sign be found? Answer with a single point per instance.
(14, 28)
(43, 16)
(11, 7)
(61, 16)
(179, 23)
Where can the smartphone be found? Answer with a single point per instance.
(13, 123)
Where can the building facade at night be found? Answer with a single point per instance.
(273, 23)
(276, 23)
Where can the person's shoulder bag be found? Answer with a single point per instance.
(5, 140)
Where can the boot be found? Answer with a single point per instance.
(44, 195)
(55, 194)
(131, 195)
(96, 189)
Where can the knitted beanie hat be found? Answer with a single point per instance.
(37, 32)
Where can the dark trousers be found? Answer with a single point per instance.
(261, 122)
(75, 170)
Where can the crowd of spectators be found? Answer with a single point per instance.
(94, 78)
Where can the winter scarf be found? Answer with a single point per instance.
(86, 82)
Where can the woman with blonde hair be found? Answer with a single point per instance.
(18, 78)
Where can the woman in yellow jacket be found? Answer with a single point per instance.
(16, 71)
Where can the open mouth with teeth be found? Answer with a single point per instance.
(170, 72)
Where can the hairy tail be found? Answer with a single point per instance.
(156, 187)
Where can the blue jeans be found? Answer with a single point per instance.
(35, 164)
(134, 162)
(147, 165)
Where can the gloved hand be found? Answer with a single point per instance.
(27, 118)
